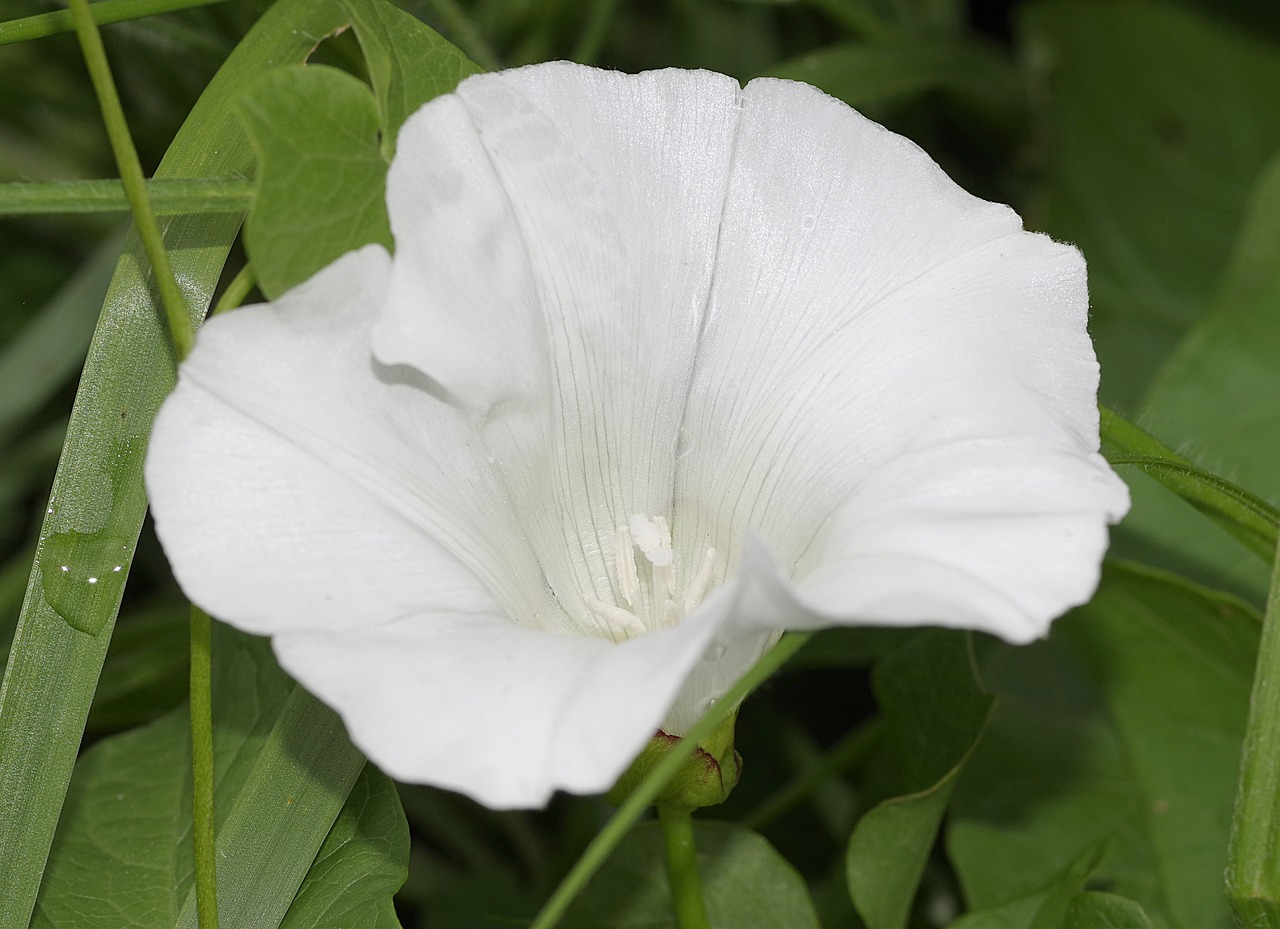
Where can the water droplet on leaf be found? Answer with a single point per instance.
(83, 573)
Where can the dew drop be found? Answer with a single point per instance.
(83, 575)
(808, 222)
(716, 653)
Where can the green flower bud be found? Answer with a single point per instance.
(706, 778)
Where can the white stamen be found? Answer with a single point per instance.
(624, 619)
(652, 536)
(697, 588)
(624, 561)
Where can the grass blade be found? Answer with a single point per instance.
(177, 195)
(104, 12)
(97, 502)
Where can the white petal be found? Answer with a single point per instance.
(1011, 546)
(613, 184)
(892, 368)
(295, 484)
(461, 304)
(503, 714)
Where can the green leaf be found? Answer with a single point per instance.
(1125, 727)
(122, 857)
(321, 178)
(1048, 908)
(934, 711)
(1218, 398)
(97, 501)
(1094, 910)
(145, 674)
(362, 863)
(746, 884)
(903, 66)
(1160, 120)
(409, 63)
(298, 784)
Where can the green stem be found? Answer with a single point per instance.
(640, 799)
(458, 27)
(1253, 858)
(202, 708)
(197, 195)
(682, 867)
(202, 768)
(135, 186)
(236, 291)
(104, 12)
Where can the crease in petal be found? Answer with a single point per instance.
(461, 303)
(614, 185)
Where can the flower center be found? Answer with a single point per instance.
(661, 607)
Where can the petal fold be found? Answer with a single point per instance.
(295, 483)
(613, 186)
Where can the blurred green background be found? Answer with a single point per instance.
(1144, 131)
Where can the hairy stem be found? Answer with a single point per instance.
(1253, 858)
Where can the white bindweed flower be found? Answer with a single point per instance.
(661, 366)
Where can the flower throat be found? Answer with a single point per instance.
(651, 537)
